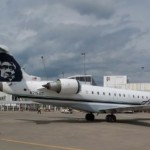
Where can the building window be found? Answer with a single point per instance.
(3, 98)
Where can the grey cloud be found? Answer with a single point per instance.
(100, 9)
(54, 41)
(95, 8)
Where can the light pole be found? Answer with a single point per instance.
(63, 75)
(142, 68)
(44, 66)
(83, 54)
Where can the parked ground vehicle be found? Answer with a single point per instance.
(66, 110)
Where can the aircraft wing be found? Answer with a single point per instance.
(109, 108)
(128, 108)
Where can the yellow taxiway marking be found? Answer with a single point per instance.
(37, 144)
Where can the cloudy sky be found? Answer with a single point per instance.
(113, 34)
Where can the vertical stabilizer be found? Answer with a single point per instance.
(10, 70)
(28, 77)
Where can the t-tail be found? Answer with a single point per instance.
(10, 70)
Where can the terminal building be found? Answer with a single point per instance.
(9, 102)
(84, 79)
(121, 82)
(4, 97)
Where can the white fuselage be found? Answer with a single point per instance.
(88, 94)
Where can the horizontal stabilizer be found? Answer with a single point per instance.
(4, 49)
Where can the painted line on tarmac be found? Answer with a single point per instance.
(40, 145)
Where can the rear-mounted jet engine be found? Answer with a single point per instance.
(64, 86)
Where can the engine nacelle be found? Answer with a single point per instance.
(64, 86)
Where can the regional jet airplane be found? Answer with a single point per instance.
(68, 92)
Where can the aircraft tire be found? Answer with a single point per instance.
(89, 117)
(111, 118)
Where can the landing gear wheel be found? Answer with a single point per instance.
(111, 118)
(89, 117)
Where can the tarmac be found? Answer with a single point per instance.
(57, 131)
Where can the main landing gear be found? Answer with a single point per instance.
(109, 118)
(89, 117)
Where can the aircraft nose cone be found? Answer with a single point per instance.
(1, 86)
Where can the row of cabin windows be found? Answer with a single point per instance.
(121, 95)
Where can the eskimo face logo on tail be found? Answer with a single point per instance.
(9, 69)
